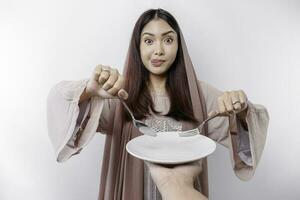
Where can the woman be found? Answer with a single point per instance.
(161, 87)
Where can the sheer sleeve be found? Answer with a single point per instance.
(246, 146)
(72, 125)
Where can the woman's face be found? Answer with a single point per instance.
(158, 46)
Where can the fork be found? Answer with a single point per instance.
(141, 126)
(200, 127)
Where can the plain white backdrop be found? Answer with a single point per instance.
(248, 45)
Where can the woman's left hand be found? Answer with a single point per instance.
(232, 102)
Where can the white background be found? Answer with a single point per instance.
(249, 45)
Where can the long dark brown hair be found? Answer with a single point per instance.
(137, 76)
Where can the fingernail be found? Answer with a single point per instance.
(122, 94)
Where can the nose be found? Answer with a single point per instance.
(159, 50)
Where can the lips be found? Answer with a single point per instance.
(157, 62)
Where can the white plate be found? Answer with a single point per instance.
(169, 148)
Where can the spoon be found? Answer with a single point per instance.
(143, 128)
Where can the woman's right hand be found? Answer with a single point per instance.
(106, 84)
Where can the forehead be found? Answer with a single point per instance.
(157, 27)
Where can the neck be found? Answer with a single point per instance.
(158, 83)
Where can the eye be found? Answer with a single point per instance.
(169, 40)
(148, 41)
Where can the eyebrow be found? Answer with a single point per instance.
(161, 34)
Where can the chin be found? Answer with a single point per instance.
(157, 71)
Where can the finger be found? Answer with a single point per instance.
(111, 80)
(123, 94)
(234, 98)
(196, 167)
(196, 170)
(228, 102)
(192, 168)
(96, 72)
(117, 86)
(221, 105)
(243, 98)
(103, 76)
